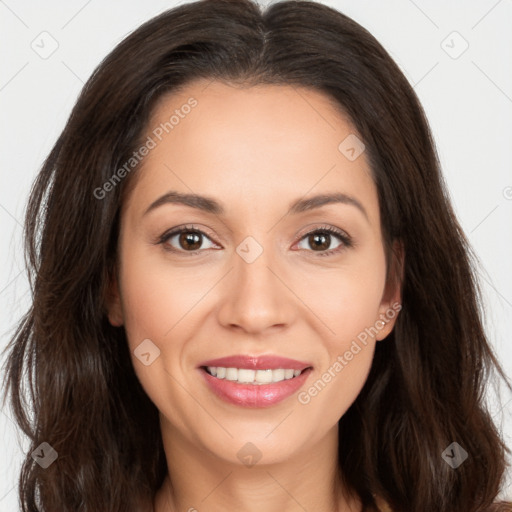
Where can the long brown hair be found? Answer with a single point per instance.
(69, 374)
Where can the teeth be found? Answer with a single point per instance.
(277, 375)
(258, 377)
(263, 376)
(231, 374)
(246, 375)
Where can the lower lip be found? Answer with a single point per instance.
(254, 395)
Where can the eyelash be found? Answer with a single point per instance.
(343, 237)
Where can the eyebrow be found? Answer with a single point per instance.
(210, 205)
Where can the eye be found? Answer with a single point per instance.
(189, 240)
(320, 240)
(185, 239)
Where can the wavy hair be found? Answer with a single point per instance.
(69, 375)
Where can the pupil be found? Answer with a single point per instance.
(318, 243)
(190, 240)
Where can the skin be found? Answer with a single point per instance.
(255, 150)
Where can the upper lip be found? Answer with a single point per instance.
(262, 362)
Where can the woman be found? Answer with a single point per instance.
(250, 289)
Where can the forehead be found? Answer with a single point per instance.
(260, 144)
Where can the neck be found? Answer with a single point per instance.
(199, 480)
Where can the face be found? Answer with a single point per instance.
(268, 303)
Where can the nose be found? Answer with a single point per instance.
(256, 295)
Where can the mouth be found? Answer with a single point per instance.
(250, 376)
(249, 381)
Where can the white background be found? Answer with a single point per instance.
(468, 101)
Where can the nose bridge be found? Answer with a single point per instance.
(252, 266)
(256, 298)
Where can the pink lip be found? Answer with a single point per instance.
(254, 395)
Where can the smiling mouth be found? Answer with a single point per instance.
(251, 376)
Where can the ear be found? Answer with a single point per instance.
(392, 297)
(113, 302)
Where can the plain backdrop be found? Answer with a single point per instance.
(458, 57)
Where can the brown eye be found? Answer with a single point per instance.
(320, 241)
(185, 240)
(190, 240)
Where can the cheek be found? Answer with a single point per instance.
(332, 392)
(161, 302)
(347, 300)
(346, 365)
(156, 295)
(158, 304)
